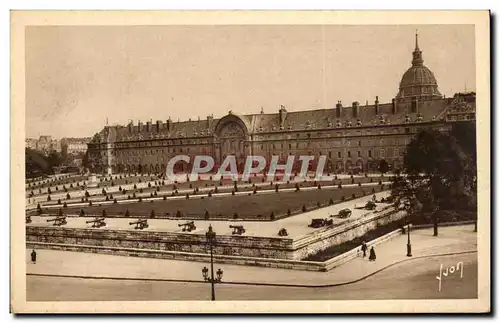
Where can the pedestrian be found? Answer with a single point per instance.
(372, 257)
(364, 248)
(33, 256)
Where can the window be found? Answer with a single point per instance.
(396, 152)
(359, 153)
(359, 143)
(309, 136)
(289, 146)
(329, 154)
(348, 154)
(261, 147)
(297, 145)
(369, 153)
(281, 146)
(382, 153)
(407, 130)
(381, 142)
(339, 154)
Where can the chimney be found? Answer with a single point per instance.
(377, 109)
(148, 126)
(169, 124)
(159, 124)
(339, 109)
(130, 126)
(210, 118)
(394, 107)
(282, 115)
(355, 109)
(139, 126)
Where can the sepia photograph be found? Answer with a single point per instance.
(276, 162)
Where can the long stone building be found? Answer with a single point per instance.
(354, 138)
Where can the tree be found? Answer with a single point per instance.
(434, 164)
(383, 166)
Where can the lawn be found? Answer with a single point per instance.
(248, 207)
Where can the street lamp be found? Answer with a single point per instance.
(210, 235)
(408, 245)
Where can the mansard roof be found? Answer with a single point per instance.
(428, 111)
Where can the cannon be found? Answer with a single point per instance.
(188, 226)
(28, 219)
(343, 214)
(318, 223)
(58, 221)
(140, 224)
(237, 229)
(97, 222)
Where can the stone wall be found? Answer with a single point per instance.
(165, 241)
(322, 239)
(245, 246)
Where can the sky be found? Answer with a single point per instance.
(80, 77)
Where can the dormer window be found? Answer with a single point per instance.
(339, 124)
(349, 123)
(290, 127)
(407, 119)
(359, 123)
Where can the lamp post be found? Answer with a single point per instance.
(211, 241)
(408, 245)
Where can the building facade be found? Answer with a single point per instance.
(74, 146)
(354, 138)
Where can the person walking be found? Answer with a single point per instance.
(372, 257)
(33, 256)
(364, 248)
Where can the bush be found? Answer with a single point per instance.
(379, 182)
(140, 199)
(318, 204)
(59, 201)
(255, 190)
(209, 193)
(90, 203)
(104, 213)
(187, 196)
(276, 188)
(127, 213)
(135, 186)
(304, 209)
(373, 189)
(235, 215)
(151, 195)
(359, 184)
(152, 214)
(232, 192)
(343, 198)
(120, 188)
(68, 196)
(297, 187)
(288, 212)
(149, 184)
(82, 213)
(141, 190)
(115, 201)
(353, 195)
(330, 202)
(178, 214)
(164, 197)
(319, 186)
(207, 216)
(272, 216)
(340, 185)
(371, 180)
(65, 205)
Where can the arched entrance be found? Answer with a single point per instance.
(231, 132)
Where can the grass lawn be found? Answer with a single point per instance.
(256, 207)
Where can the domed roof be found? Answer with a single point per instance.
(418, 81)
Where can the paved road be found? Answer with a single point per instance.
(410, 280)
